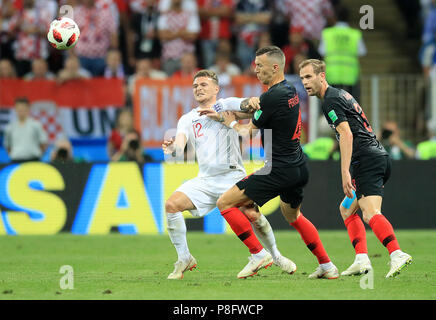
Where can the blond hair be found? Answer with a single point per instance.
(208, 74)
(317, 65)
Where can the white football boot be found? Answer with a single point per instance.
(285, 264)
(254, 265)
(319, 273)
(358, 267)
(399, 260)
(181, 266)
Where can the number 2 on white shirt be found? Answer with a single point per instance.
(197, 128)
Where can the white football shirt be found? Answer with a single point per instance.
(216, 146)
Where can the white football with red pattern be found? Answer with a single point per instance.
(63, 33)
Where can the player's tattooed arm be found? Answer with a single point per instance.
(218, 116)
(250, 105)
(245, 105)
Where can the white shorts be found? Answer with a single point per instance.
(204, 192)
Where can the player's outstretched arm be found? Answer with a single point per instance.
(248, 107)
(243, 108)
(346, 147)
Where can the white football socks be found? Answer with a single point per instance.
(361, 257)
(177, 231)
(264, 233)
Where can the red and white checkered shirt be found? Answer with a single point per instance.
(215, 28)
(31, 46)
(96, 27)
(177, 21)
(309, 14)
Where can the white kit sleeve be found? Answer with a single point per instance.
(228, 104)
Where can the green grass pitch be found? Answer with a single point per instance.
(135, 267)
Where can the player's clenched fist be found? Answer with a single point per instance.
(168, 146)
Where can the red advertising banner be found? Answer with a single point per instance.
(95, 93)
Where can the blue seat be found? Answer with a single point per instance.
(90, 149)
(155, 153)
(4, 157)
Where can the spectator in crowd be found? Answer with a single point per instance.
(144, 70)
(7, 70)
(264, 40)
(124, 142)
(225, 46)
(73, 70)
(30, 26)
(131, 149)
(295, 63)
(224, 68)
(251, 19)
(50, 5)
(114, 65)
(124, 125)
(188, 66)
(144, 18)
(298, 45)
(39, 71)
(279, 26)
(342, 47)
(98, 33)
(430, 24)
(427, 149)
(178, 31)
(187, 5)
(62, 152)
(25, 138)
(312, 15)
(391, 140)
(216, 24)
(120, 10)
(6, 38)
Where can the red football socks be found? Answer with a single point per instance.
(242, 228)
(384, 232)
(310, 236)
(357, 233)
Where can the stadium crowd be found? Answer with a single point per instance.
(160, 39)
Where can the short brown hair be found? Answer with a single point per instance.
(208, 74)
(272, 51)
(317, 65)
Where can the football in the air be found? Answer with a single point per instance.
(63, 33)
